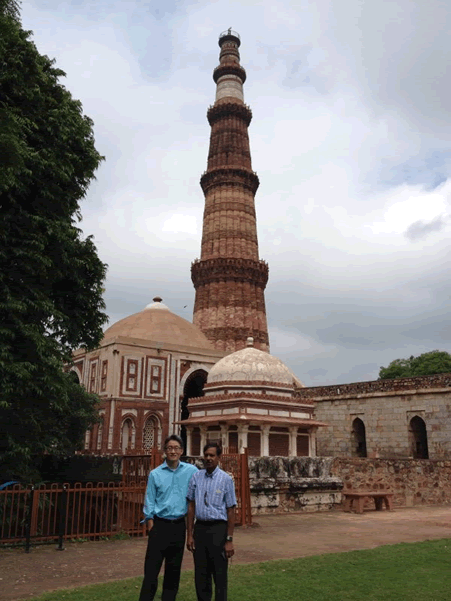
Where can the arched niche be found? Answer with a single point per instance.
(418, 438)
(358, 438)
(151, 433)
(127, 435)
(194, 387)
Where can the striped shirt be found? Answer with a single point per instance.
(213, 494)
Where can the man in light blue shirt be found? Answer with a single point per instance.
(165, 507)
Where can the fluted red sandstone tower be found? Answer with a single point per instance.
(229, 278)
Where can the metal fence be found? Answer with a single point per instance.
(90, 511)
(62, 511)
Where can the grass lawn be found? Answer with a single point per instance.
(404, 572)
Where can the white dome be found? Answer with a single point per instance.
(251, 365)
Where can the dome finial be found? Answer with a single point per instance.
(249, 341)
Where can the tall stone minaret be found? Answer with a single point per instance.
(229, 278)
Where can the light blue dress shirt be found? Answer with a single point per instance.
(213, 494)
(166, 491)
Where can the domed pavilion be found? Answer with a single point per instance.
(249, 401)
(146, 368)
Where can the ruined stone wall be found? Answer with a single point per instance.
(289, 484)
(386, 414)
(284, 484)
(413, 482)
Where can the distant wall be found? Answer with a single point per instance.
(386, 408)
(413, 482)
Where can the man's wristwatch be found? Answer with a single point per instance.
(229, 538)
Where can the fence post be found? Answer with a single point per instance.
(62, 506)
(29, 517)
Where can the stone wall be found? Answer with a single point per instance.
(413, 482)
(386, 408)
(284, 484)
(292, 484)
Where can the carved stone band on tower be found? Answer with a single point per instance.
(229, 278)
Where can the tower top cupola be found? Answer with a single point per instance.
(229, 75)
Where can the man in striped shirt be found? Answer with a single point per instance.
(212, 501)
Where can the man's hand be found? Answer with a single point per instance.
(190, 543)
(149, 526)
(228, 548)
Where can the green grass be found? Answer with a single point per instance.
(404, 572)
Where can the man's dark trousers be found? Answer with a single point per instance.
(166, 542)
(210, 560)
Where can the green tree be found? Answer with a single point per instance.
(434, 362)
(50, 276)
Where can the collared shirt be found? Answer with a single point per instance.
(213, 493)
(166, 491)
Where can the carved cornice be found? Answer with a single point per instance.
(229, 69)
(237, 396)
(229, 109)
(250, 383)
(232, 176)
(238, 270)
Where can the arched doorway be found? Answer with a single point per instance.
(194, 387)
(418, 438)
(358, 438)
(74, 376)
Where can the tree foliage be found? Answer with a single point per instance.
(434, 362)
(50, 276)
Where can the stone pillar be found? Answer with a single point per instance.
(242, 437)
(312, 442)
(293, 445)
(265, 440)
(189, 434)
(224, 435)
(203, 438)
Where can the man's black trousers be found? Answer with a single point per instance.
(210, 560)
(166, 541)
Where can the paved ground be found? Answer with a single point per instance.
(277, 536)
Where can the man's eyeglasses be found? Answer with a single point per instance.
(173, 449)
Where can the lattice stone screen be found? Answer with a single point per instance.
(149, 434)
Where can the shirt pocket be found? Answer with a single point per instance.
(217, 498)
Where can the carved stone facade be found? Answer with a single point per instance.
(142, 372)
(229, 278)
(402, 418)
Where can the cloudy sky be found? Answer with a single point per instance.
(350, 139)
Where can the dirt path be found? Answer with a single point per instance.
(278, 536)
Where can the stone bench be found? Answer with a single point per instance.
(356, 500)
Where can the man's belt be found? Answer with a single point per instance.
(176, 521)
(210, 522)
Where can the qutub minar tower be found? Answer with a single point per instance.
(229, 278)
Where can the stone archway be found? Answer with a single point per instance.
(358, 438)
(194, 387)
(418, 438)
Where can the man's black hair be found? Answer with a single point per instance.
(215, 445)
(173, 437)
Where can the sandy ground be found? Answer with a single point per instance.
(272, 537)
